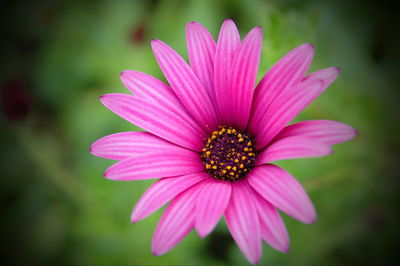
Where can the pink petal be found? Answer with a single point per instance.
(201, 51)
(293, 147)
(149, 88)
(243, 76)
(286, 73)
(211, 205)
(127, 144)
(326, 131)
(273, 230)
(283, 191)
(156, 92)
(286, 107)
(243, 223)
(150, 165)
(326, 75)
(286, 111)
(163, 191)
(156, 119)
(185, 84)
(176, 222)
(228, 43)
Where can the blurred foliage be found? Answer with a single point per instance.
(60, 56)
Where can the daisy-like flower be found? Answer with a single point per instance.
(212, 135)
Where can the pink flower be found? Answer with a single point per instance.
(212, 134)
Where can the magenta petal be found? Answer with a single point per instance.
(243, 76)
(127, 144)
(156, 92)
(287, 106)
(185, 84)
(201, 51)
(149, 88)
(176, 222)
(293, 147)
(243, 223)
(279, 80)
(150, 165)
(325, 131)
(163, 191)
(285, 111)
(326, 75)
(273, 230)
(156, 119)
(228, 43)
(283, 191)
(211, 205)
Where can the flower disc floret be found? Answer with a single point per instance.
(228, 154)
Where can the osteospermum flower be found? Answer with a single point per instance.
(212, 136)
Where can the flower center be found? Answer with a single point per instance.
(228, 154)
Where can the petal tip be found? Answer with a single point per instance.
(134, 218)
(310, 49)
(257, 33)
(311, 220)
(202, 232)
(157, 251)
(336, 71)
(258, 28)
(355, 133)
(92, 148)
(255, 261)
(193, 26)
(105, 174)
(229, 20)
(286, 249)
(155, 42)
(306, 48)
(104, 99)
(192, 23)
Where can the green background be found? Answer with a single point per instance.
(58, 57)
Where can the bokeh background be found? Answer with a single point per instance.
(58, 57)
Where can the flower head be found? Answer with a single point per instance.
(212, 135)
